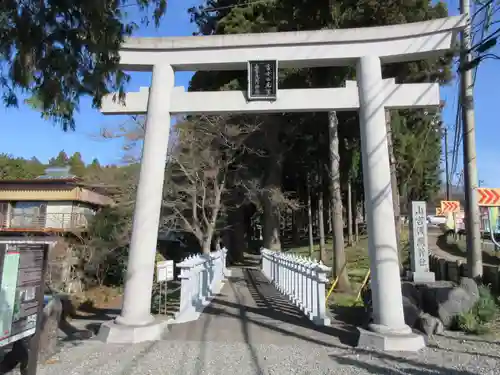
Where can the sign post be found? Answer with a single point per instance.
(489, 197)
(164, 274)
(451, 207)
(419, 250)
(263, 80)
(22, 270)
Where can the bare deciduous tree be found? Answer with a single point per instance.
(207, 158)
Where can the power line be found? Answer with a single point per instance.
(487, 12)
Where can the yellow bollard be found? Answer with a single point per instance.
(330, 291)
(365, 280)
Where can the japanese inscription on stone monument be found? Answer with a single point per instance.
(262, 80)
(418, 238)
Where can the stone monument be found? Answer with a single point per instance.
(419, 244)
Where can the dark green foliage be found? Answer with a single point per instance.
(303, 138)
(58, 51)
(14, 168)
(484, 311)
(76, 164)
(108, 239)
(61, 160)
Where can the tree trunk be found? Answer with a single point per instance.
(295, 228)
(349, 214)
(271, 227)
(310, 220)
(339, 257)
(236, 217)
(356, 216)
(394, 183)
(321, 223)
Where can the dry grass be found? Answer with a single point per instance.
(100, 297)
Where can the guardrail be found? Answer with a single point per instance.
(61, 221)
(201, 279)
(301, 279)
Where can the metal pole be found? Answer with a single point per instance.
(446, 164)
(472, 227)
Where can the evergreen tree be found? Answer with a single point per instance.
(60, 50)
(77, 166)
(61, 160)
(12, 168)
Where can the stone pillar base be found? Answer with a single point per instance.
(320, 321)
(407, 342)
(422, 277)
(114, 333)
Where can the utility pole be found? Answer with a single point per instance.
(446, 164)
(474, 255)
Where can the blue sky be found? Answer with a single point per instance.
(25, 134)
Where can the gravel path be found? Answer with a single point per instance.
(250, 329)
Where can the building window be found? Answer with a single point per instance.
(28, 214)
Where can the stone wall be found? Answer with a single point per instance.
(452, 270)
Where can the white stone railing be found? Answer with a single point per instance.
(201, 279)
(301, 279)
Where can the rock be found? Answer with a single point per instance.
(411, 312)
(448, 302)
(48, 335)
(411, 309)
(434, 306)
(410, 291)
(430, 325)
(470, 286)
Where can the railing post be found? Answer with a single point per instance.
(308, 285)
(320, 318)
(302, 285)
(293, 277)
(286, 286)
(218, 272)
(187, 309)
(295, 273)
(266, 265)
(279, 266)
(289, 276)
(283, 273)
(276, 279)
(284, 263)
(227, 272)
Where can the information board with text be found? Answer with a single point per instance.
(21, 271)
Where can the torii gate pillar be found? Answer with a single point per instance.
(389, 330)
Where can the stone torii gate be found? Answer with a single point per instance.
(368, 48)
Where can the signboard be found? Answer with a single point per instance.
(450, 207)
(438, 211)
(21, 277)
(488, 197)
(165, 271)
(419, 251)
(262, 80)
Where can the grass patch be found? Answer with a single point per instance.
(482, 318)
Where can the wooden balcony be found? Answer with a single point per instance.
(57, 222)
